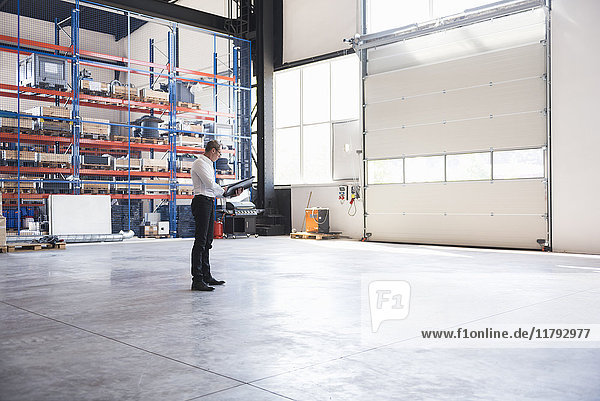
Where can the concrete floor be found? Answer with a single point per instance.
(118, 322)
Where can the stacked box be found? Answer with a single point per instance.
(124, 92)
(96, 188)
(149, 231)
(51, 125)
(156, 189)
(54, 158)
(185, 165)
(96, 130)
(25, 155)
(155, 164)
(27, 123)
(136, 186)
(50, 111)
(123, 164)
(26, 186)
(94, 87)
(150, 95)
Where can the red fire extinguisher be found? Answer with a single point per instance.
(218, 230)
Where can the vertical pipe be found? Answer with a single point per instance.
(363, 73)
(18, 118)
(129, 121)
(549, 118)
(215, 93)
(172, 60)
(75, 89)
(151, 53)
(237, 130)
(57, 43)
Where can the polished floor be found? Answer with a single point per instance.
(118, 322)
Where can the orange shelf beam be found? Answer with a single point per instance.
(117, 145)
(107, 173)
(117, 104)
(102, 56)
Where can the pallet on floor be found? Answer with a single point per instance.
(319, 236)
(31, 247)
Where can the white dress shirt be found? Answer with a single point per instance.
(203, 177)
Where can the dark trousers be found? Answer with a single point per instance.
(204, 216)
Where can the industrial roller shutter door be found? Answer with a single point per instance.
(488, 101)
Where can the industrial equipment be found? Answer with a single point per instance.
(239, 219)
(41, 71)
(316, 220)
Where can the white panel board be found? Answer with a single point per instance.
(575, 137)
(491, 231)
(525, 130)
(510, 98)
(312, 27)
(500, 33)
(496, 67)
(347, 139)
(501, 213)
(479, 197)
(80, 214)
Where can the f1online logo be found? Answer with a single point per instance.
(388, 300)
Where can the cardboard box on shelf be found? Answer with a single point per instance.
(124, 91)
(150, 231)
(154, 96)
(50, 111)
(94, 86)
(91, 128)
(13, 123)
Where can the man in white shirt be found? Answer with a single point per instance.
(205, 192)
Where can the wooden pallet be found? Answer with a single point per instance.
(14, 130)
(11, 190)
(32, 247)
(305, 235)
(123, 96)
(187, 105)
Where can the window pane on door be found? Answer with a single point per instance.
(528, 163)
(471, 166)
(390, 171)
(424, 169)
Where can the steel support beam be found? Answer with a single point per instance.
(264, 67)
(172, 12)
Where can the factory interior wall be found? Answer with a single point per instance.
(575, 133)
(326, 196)
(312, 27)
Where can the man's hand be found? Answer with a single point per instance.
(238, 191)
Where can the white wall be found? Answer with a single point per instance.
(575, 126)
(327, 196)
(313, 27)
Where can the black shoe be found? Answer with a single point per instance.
(201, 286)
(213, 281)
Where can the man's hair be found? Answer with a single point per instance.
(212, 145)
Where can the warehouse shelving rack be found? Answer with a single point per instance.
(236, 81)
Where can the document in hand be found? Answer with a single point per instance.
(231, 188)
